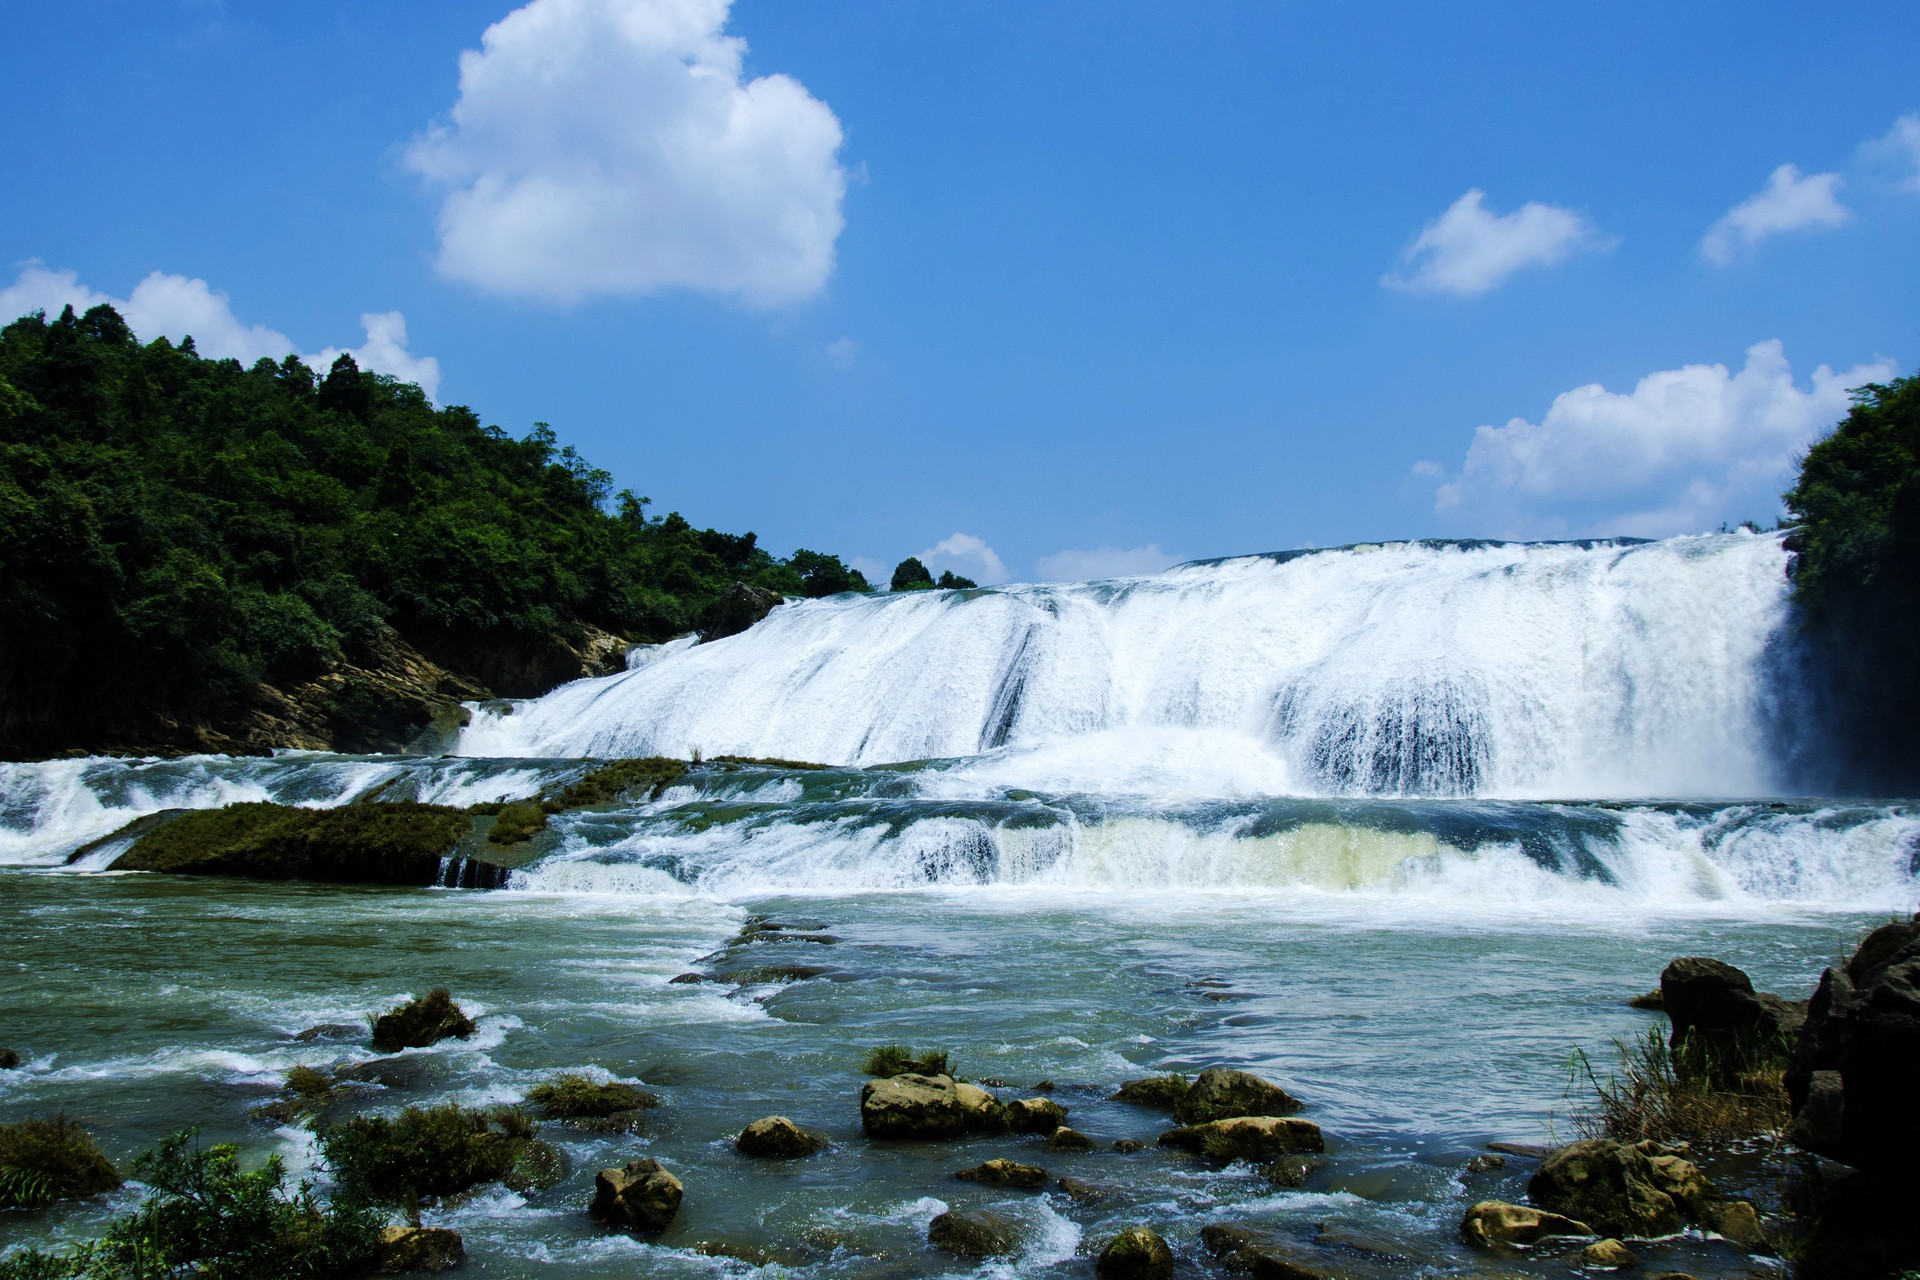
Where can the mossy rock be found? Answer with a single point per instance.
(42, 1161)
(891, 1060)
(422, 1022)
(1222, 1093)
(1162, 1093)
(1135, 1254)
(395, 843)
(576, 1097)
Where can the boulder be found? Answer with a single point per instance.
(1035, 1115)
(1163, 1093)
(1681, 1179)
(641, 1196)
(1256, 1253)
(1608, 1253)
(404, 1249)
(1135, 1254)
(1721, 1026)
(1127, 1146)
(973, 1235)
(1005, 1173)
(1735, 1220)
(1221, 1093)
(1253, 1138)
(1085, 1192)
(1065, 1139)
(777, 1136)
(1484, 1164)
(983, 1109)
(1608, 1184)
(419, 1023)
(1819, 1125)
(1493, 1222)
(1290, 1171)
(8, 1059)
(912, 1107)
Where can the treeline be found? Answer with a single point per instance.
(175, 531)
(1856, 515)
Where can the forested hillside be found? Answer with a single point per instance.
(198, 555)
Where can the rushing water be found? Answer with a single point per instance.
(1398, 827)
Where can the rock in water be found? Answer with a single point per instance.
(983, 1109)
(641, 1196)
(1135, 1254)
(1484, 1164)
(1606, 1183)
(1035, 1115)
(1736, 1220)
(973, 1235)
(1494, 1222)
(1005, 1173)
(1720, 1024)
(430, 1018)
(1163, 1093)
(777, 1136)
(912, 1106)
(1607, 1253)
(8, 1059)
(1065, 1139)
(1256, 1253)
(1253, 1138)
(1221, 1093)
(404, 1249)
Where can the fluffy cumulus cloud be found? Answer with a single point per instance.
(968, 556)
(176, 307)
(1469, 249)
(1105, 562)
(1687, 449)
(1791, 201)
(607, 147)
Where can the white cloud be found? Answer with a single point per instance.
(1469, 249)
(1789, 202)
(1899, 150)
(840, 353)
(176, 307)
(968, 556)
(606, 147)
(1428, 470)
(1104, 562)
(1685, 450)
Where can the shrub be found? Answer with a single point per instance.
(421, 1022)
(951, 580)
(423, 1151)
(911, 575)
(1648, 1098)
(575, 1097)
(517, 822)
(896, 1059)
(208, 1219)
(46, 1160)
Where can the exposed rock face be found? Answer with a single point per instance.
(641, 1196)
(1720, 1024)
(973, 1235)
(1065, 1139)
(777, 1136)
(404, 1249)
(912, 1106)
(1006, 1173)
(1608, 1184)
(427, 1020)
(1163, 1093)
(739, 608)
(1135, 1254)
(1494, 1222)
(1221, 1093)
(1253, 1138)
(1035, 1115)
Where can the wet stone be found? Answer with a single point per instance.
(1065, 1139)
(1137, 1253)
(1005, 1173)
(973, 1234)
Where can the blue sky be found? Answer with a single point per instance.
(1092, 287)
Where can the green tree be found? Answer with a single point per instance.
(911, 575)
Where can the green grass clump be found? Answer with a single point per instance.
(305, 1082)
(771, 762)
(575, 1097)
(46, 1160)
(897, 1059)
(1649, 1098)
(385, 842)
(517, 822)
(427, 1151)
(612, 781)
(208, 1219)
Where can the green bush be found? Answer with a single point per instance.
(911, 575)
(897, 1059)
(517, 822)
(951, 580)
(421, 1022)
(424, 1151)
(208, 1219)
(46, 1160)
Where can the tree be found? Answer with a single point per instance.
(911, 575)
(948, 578)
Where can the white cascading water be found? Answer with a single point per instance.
(1598, 669)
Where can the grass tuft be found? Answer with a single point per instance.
(42, 1161)
(517, 822)
(897, 1059)
(1648, 1098)
(575, 1097)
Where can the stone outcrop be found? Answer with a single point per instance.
(419, 1023)
(777, 1136)
(1006, 1173)
(1721, 1025)
(912, 1107)
(403, 1249)
(1035, 1115)
(1607, 1184)
(1495, 1222)
(641, 1196)
(983, 1110)
(1221, 1093)
(1254, 1138)
(1135, 1254)
(973, 1235)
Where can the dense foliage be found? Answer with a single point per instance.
(912, 575)
(175, 529)
(1856, 507)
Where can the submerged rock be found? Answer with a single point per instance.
(1135, 1254)
(1260, 1254)
(1609, 1184)
(403, 1249)
(973, 1234)
(1494, 1222)
(1065, 1139)
(912, 1106)
(1081, 1192)
(777, 1136)
(1163, 1093)
(1127, 1146)
(1035, 1115)
(1005, 1173)
(572, 1096)
(1221, 1093)
(640, 1196)
(419, 1023)
(1653, 1001)
(1290, 1171)
(332, 1031)
(1255, 1138)
(1484, 1164)
(1608, 1253)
